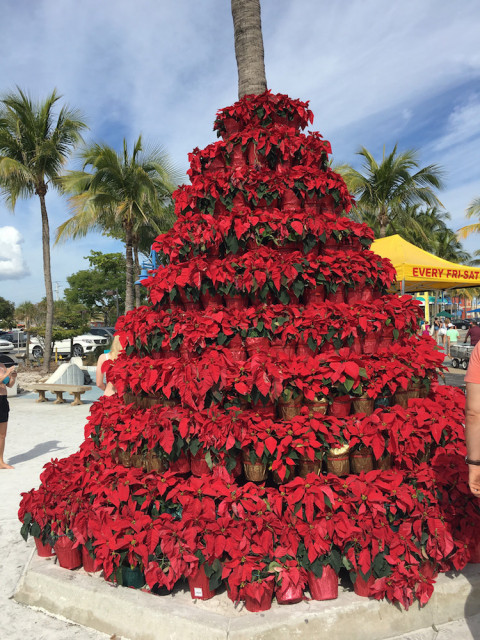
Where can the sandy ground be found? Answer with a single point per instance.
(38, 432)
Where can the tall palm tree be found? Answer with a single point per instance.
(422, 226)
(247, 26)
(473, 211)
(384, 189)
(34, 147)
(119, 192)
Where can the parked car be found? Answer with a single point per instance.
(86, 343)
(106, 332)
(19, 338)
(6, 346)
(461, 324)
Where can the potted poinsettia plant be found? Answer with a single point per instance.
(322, 563)
(290, 402)
(291, 579)
(35, 521)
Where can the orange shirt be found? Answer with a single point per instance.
(473, 371)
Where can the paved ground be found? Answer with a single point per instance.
(38, 432)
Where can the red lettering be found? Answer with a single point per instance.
(415, 272)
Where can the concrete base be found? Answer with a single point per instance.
(89, 600)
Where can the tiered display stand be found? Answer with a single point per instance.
(278, 420)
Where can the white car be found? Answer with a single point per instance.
(82, 345)
(6, 346)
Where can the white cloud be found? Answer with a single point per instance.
(12, 261)
(463, 125)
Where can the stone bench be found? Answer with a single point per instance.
(59, 389)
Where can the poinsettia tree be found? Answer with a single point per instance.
(271, 356)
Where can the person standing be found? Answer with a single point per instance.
(442, 333)
(113, 354)
(473, 333)
(452, 337)
(472, 421)
(7, 379)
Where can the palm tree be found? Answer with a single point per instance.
(473, 210)
(119, 193)
(247, 26)
(422, 226)
(34, 147)
(384, 190)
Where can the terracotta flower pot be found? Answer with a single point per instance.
(180, 466)
(370, 344)
(364, 404)
(211, 300)
(328, 206)
(317, 408)
(263, 599)
(361, 294)
(289, 594)
(138, 461)
(257, 345)
(306, 466)
(340, 407)
(324, 588)
(255, 472)
(338, 465)
(401, 398)
(43, 550)
(154, 463)
(238, 159)
(413, 393)
(235, 302)
(384, 463)
(88, 562)
(68, 557)
(216, 164)
(304, 351)
(337, 296)
(124, 458)
(361, 461)
(238, 355)
(199, 585)
(290, 200)
(231, 126)
(363, 587)
(331, 242)
(315, 295)
(288, 410)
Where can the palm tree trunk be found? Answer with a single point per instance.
(247, 26)
(129, 268)
(383, 223)
(137, 275)
(47, 272)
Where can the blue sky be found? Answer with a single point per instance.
(376, 74)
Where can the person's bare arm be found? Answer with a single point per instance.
(99, 373)
(12, 373)
(472, 435)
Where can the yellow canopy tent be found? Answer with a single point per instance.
(418, 270)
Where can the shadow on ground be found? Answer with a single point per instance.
(37, 451)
